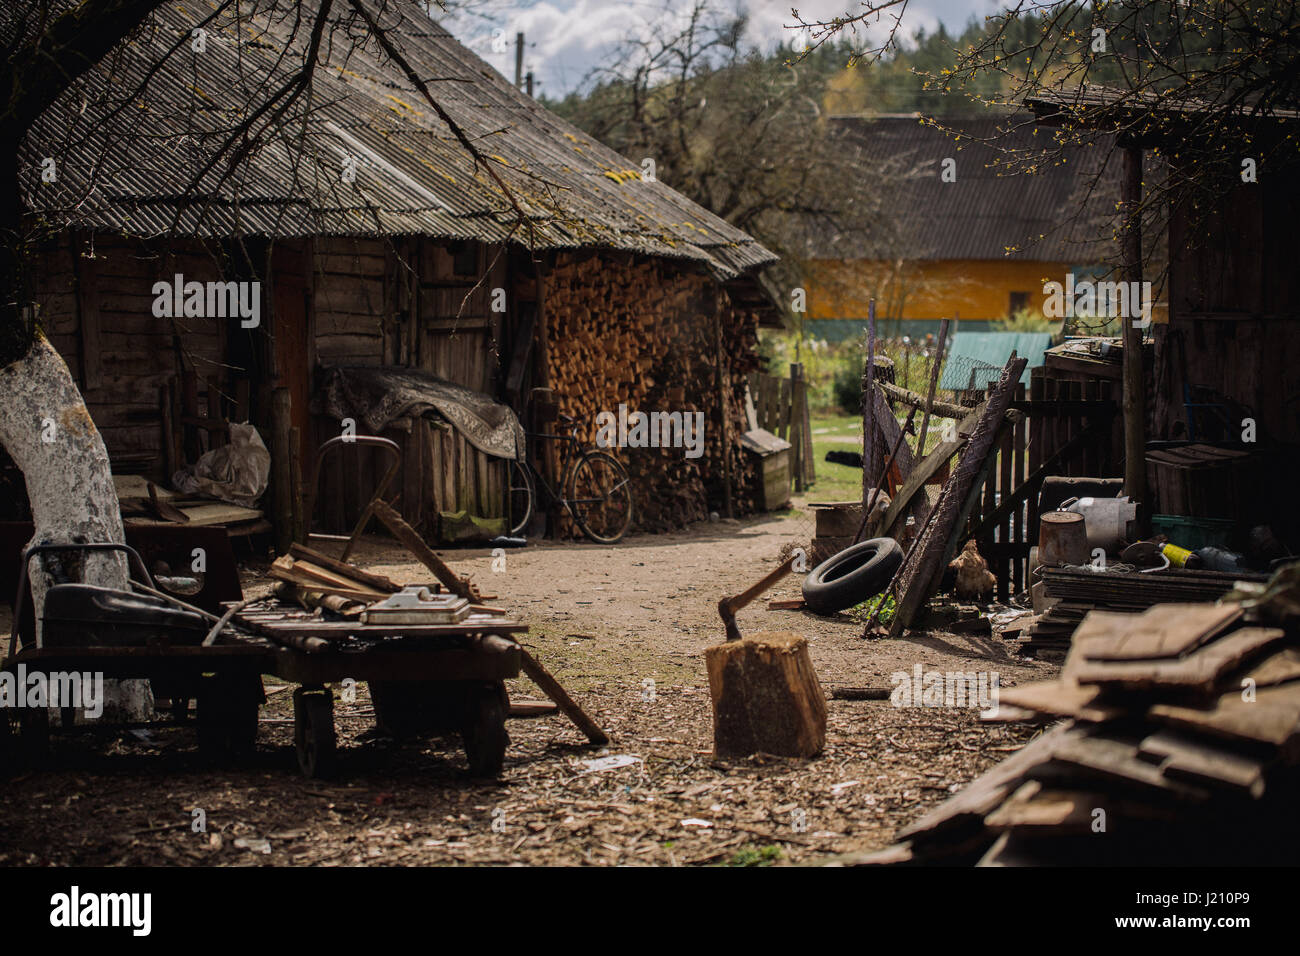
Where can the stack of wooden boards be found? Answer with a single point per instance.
(1181, 744)
(314, 580)
(1076, 592)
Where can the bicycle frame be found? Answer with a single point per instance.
(570, 453)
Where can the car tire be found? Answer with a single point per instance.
(852, 576)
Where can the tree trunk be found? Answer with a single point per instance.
(47, 430)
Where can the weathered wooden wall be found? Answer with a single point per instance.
(416, 303)
(1235, 307)
(96, 303)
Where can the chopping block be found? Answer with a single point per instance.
(766, 697)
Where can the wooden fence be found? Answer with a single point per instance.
(1064, 429)
(780, 406)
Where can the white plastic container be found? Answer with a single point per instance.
(1106, 519)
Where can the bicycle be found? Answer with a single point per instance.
(599, 495)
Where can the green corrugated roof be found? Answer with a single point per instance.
(985, 353)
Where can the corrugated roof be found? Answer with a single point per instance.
(977, 358)
(130, 168)
(991, 210)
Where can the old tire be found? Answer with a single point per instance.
(484, 729)
(852, 576)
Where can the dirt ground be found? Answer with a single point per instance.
(607, 621)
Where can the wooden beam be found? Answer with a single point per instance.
(1135, 468)
(416, 545)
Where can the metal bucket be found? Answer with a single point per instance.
(1062, 539)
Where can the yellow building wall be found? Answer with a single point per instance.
(935, 289)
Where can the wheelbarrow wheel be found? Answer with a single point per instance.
(484, 730)
(313, 731)
(227, 716)
(34, 735)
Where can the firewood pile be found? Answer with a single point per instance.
(642, 335)
(1180, 743)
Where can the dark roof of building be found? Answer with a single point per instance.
(131, 169)
(1046, 211)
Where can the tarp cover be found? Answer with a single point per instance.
(376, 396)
(236, 472)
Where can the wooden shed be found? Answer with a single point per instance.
(613, 290)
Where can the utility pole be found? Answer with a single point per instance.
(519, 60)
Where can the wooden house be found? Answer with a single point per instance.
(955, 232)
(377, 239)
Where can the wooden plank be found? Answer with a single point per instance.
(1276, 669)
(1117, 760)
(416, 545)
(1184, 758)
(1272, 718)
(1060, 698)
(991, 788)
(1038, 807)
(1200, 670)
(925, 469)
(1165, 630)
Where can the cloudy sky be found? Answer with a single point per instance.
(567, 39)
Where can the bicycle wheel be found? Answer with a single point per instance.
(520, 493)
(600, 497)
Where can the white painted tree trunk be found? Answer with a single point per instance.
(47, 430)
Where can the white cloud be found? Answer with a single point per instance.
(565, 40)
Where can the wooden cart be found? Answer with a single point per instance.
(422, 677)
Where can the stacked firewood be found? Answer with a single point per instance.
(642, 334)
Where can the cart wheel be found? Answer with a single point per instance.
(34, 734)
(227, 715)
(6, 744)
(484, 730)
(313, 731)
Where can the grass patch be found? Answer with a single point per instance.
(864, 610)
(754, 856)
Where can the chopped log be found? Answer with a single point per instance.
(416, 545)
(766, 697)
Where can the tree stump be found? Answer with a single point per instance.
(766, 697)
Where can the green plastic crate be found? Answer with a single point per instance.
(1193, 533)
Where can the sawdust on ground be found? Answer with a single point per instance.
(623, 628)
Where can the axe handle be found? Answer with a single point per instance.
(728, 606)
